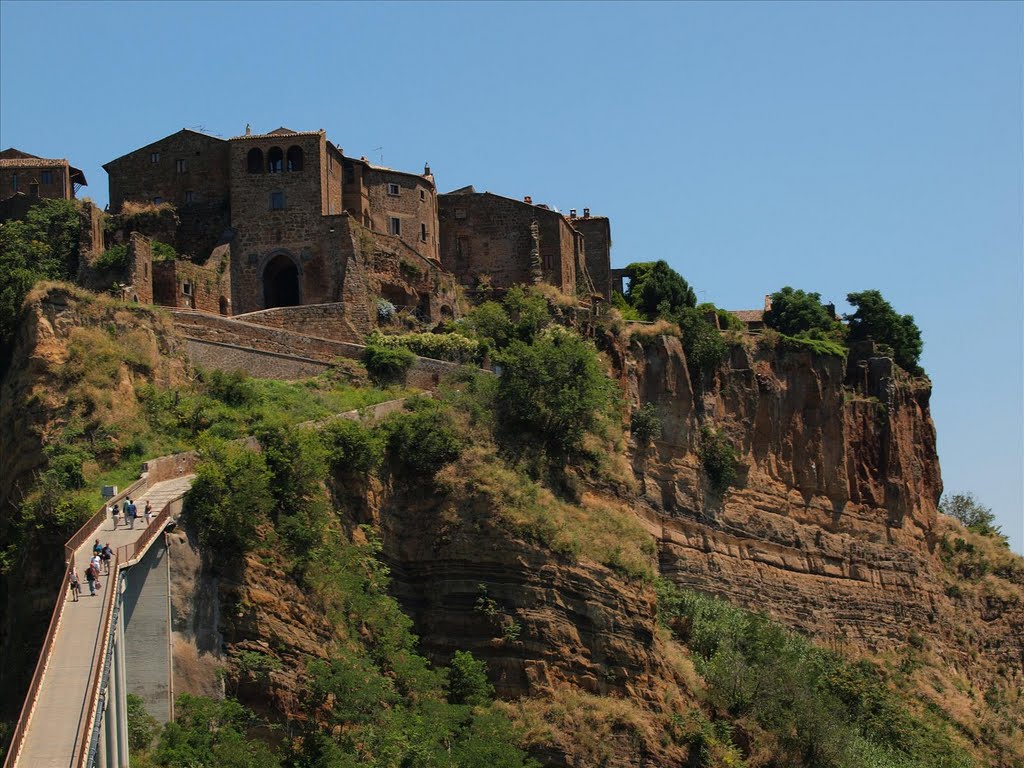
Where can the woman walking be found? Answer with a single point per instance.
(74, 585)
(114, 512)
(149, 512)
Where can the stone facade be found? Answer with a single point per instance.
(487, 239)
(185, 284)
(37, 177)
(597, 235)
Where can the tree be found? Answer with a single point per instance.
(875, 319)
(467, 680)
(972, 513)
(551, 392)
(796, 312)
(657, 290)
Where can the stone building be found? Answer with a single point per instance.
(597, 238)
(487, 239)
(38, 177)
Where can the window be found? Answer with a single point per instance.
(158, 200)
(190, 196)
(423, 232)
(254, 161)
(423, 195)
(396, 226)
(181, 166)
(14, 182)
(294, 159)
(393, 190)
(275, 160)
(460, 213)
(47, 177)
(154, 157)
(186, 288)
(277, 201)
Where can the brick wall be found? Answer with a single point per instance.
(598, 243)
(35, 177)
(414, 205)
(328, 321)
(259, 364)
(181, 283)
(91, 234)
(140, 270)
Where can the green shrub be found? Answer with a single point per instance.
(551, 392)
(352, 449)
(467, 680)
(627, 310)
(657, 290)
(703, 344)
(233, 388)
(112, 258)
(820, 345)
(421, 442)
(719, 459)
(646, 424)
(211, 734)
(973, 514)
(453, 347)
(528, 312)
(388, 365)
(142, 726)
(876, 319)
(163, 251)
(489, 321)
(794, 311)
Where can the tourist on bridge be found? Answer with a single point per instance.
(115, 511)
(74, 585)
(132, 513)
(149, 512)
(93, 578)
(97, 548)
(105, 556)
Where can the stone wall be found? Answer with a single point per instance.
(257, 363)
(140, 270)
(35, 177)
(90, 235)
(487, 238)
(414, 206)
(182, 283)
(598, 242)
(328, 321)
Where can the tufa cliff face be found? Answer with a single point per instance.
(831, 527)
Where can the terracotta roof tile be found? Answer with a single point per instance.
(32, 162)
(749, 315)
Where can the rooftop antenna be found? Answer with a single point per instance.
(381, 151)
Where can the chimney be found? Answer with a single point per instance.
(248, 130)
(426, 169)
(572, 213)
(528, 200)
(767, 302)
(586, 213)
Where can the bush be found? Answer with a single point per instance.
(719, 459)
(645, 424)
(211, 734)
(551, 393)
(467, 680)
(421, 442)
(233, 388)
(972, 513)
(453, 347)
(794, 312)
(352, 449)
(112, 258)
(528, 313)
(657, 290)
(163, 251)
(142, 726)
(388, 365)
(875, 319)
(490, 322)
(703, 344)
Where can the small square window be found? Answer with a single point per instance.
(277, 201)
(423, 232)
(186, 289)
(393, 190)
(190, 196)
(157, 200)
(181, 165)
(14, 182)
(47, 177)
(154, 157)
(423, 195)
(396, 226)
(460, 213)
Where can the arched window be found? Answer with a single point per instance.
(255, 161)
(294, 159)
(275, 160)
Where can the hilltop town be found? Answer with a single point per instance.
(285, 221)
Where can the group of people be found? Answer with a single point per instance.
(130, 512)
(99, 564)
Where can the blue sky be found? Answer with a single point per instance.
(833, 147)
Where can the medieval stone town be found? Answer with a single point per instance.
(285, 229)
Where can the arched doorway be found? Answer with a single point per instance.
(280, 283)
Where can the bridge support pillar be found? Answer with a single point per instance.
(119, 673)
(112, 757)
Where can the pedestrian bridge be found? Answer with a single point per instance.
(75, 712)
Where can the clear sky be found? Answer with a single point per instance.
(833, 147)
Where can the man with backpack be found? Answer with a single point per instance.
(105, 556)
(93, 578)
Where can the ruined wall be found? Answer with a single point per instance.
(140, 270)
(598, 249)
(91, 235)
(329, 321)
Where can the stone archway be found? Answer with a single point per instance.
(281, 283)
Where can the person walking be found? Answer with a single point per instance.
(115, 512)
(105, 556)
(97, 548)
(90, 576)
(133, 512)
(149, 512)
(74, 585)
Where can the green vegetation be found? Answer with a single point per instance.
(794, 312)
(645, 424)
(112, 258)
(657, 290)
(388, 365)
(818, 710)
(719, 459)
(142, 726)
(876, 319)
(973, 514)
(43, 246)
(453, 347)
(704, 346)
(163, 251)
(422, 442)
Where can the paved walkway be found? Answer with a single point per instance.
(59, 711)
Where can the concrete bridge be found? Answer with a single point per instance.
(102, 647)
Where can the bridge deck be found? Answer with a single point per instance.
(57, 718)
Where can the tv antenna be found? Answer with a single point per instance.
(380, 150)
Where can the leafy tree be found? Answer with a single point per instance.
(972, 513)
(551, 392)
(467, 680)
(528, 313)
(421, 442)
(491, 322)
(656, 289)
(645, 424)
(142, 726)
(388, 365)
(211, 734)
(795, 312)
(352, 449)
(876, 319)
(42, 246)
(702, 343)
(719, 458)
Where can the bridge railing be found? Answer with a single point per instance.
(166, 465)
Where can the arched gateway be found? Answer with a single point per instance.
(281, 283)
